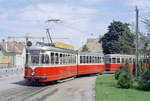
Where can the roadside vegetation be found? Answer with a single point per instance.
(123, 85)
(107, 90)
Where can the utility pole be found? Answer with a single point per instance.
(137, 32)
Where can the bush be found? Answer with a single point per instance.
(124, 76)
(117, 74)
(125, 80)
(144, 79)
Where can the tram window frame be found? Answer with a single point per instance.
(122, 60)
(36, 62)
(100, 58)
(93, 59)
(60, 58)
(110, 60)
(86, 59)
(75, 59)
(45, 59)
(130, 60)
(52, 57)
(118, 60)
(81, 59)
(113, 60)
(63, 59)
(69, 59)
(56, 58)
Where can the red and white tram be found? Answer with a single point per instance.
(90, 63)
(46, 63)
(114, 61)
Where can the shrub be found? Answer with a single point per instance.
(124, 76)
(117, 74)
(144, 79)
(125, 80)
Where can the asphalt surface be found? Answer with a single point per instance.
(79, 89)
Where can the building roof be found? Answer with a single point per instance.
(12, 47)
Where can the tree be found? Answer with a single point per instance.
(85, 49)
(118, 39)
(124, 76)
(147, 23)
(144, 79)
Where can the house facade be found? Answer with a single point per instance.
(12, 54)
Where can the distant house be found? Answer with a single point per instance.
(12, 54)
(93, 45)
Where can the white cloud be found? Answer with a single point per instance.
(93, 1)
(143, 4)
(76, 21)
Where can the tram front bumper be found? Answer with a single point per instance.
(34, 78)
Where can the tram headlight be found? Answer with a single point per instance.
(33, 73)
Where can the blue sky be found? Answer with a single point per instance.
(79, 18)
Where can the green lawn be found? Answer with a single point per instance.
(106, 90)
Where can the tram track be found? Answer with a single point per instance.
(22, 93)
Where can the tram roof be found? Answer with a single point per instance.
(120, 55)
(91, 53)
(50, 48)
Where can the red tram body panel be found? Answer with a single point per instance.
(114, 61)
(89, 63)
(47, 74)
(89, 69)
(115, 67)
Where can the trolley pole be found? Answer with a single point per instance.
(136, 69)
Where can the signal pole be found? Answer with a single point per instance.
(137, 32)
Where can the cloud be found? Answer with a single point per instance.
(77, 22)
(143, 4)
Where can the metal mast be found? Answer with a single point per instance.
(137, 32)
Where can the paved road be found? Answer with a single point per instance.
(80, 89)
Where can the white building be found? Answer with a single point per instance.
(12, 54)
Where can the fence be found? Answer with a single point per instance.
(11, 71)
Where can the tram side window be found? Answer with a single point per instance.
(118, 60)
(83, 59)
(113, 60)
(56, 58)
(61, 58)
(86, 60)
(123, 61)
(95, 59)
(130, 60)
(74, 59)
(52, 58)
(66, 59)
(45, 59)
(99, 59)
(69, 59)
(35, 59)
